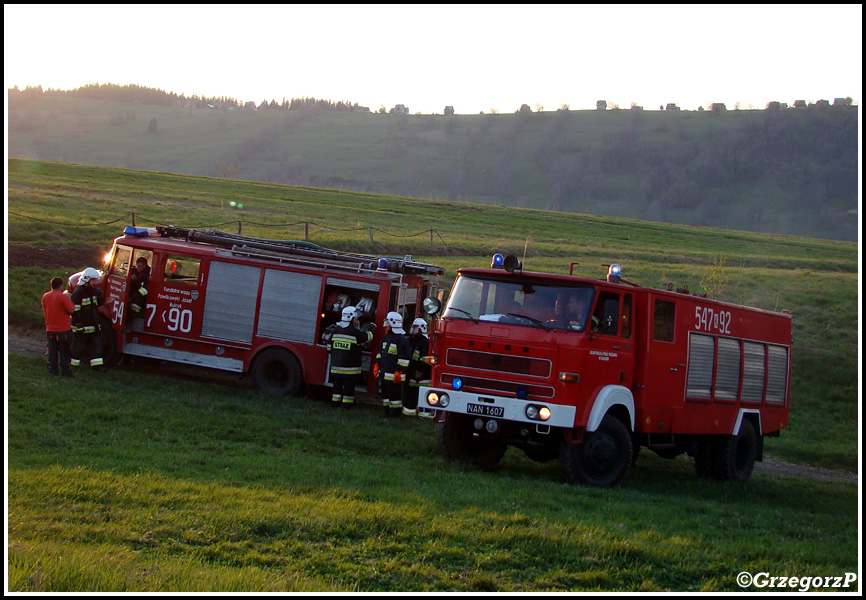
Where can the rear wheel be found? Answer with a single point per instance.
(458, 441)
(735, 455)
(603, 457)
(277, 371)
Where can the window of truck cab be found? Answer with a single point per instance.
(521, 302)
(182, 270)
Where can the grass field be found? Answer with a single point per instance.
(137, 481)
(134, 481)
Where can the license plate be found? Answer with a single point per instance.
(487, 411)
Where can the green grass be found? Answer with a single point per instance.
(133, 481)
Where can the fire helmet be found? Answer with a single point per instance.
(349, 313)
(419, 324)
(395, 322)
(89, 274)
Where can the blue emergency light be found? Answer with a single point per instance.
(498, 261)
(457, 384)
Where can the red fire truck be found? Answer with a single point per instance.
(590, 370)
(249, 305)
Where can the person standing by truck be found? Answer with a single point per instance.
(419, 370)
(86, 342)
(393, 360)
(58, 308)
(345, 341)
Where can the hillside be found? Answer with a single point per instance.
(791, 171)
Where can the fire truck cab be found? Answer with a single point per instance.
(588, 371)
(248, 305)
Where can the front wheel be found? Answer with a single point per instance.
(276, 371)
(458, 441)
(602, 459)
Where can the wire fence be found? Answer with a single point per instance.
(137, 220)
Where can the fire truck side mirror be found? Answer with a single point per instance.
(431, 305)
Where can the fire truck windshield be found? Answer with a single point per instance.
(523, 303)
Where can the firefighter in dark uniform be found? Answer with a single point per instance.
(139, 280)
(345, 342)
(86, 341)
(419, 370)
(393, 362)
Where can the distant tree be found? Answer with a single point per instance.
(449, 110)
(151, 127)
(524, 109)
(539, 107)
(563, 108)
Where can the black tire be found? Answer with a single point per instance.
(108, 342)
(735, 454)
(457, 442)
(602, 459)
(276, 371)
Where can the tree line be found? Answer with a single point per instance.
(137, 94)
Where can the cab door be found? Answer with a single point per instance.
(610, 347)
(116, 285)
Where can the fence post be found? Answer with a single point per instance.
(239, 227)
(371, 235)
(431, 236)
(133, 219)
(306, 231)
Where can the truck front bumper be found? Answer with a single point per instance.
(497, 407)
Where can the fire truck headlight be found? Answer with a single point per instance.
(537, 413)
(457, 384)
(497, 261)
(437, 399)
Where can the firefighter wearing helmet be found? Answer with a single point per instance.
(86, 341)
(345, 340)
(393, 364)
(419, 370)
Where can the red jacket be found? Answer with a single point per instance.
(58, 308)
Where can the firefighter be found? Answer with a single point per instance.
(345, 340)
(86, 342)
(393, 362)
(139, 280)
(58, 308)
(419, 370)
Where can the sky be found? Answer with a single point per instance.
(476, 58)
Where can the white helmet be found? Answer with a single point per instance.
(395, 322)
(349, 313)
(419, 324)
(88, 274)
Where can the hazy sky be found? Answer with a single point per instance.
(475, 58)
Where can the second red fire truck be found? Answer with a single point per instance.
(249, 305)
(587, 371)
